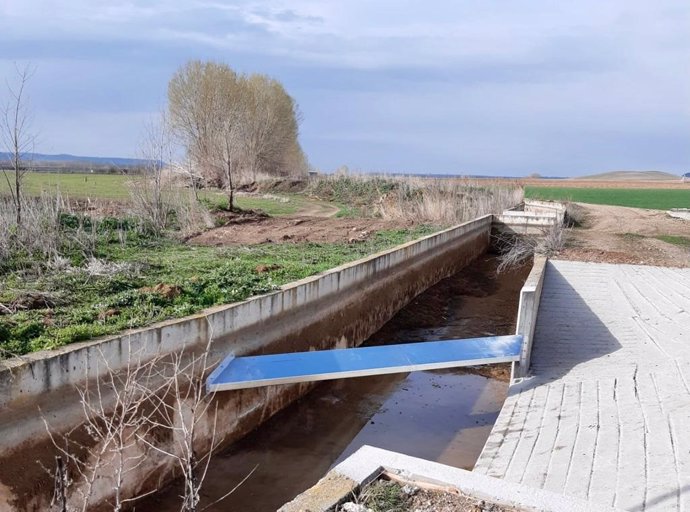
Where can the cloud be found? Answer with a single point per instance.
(471, 85)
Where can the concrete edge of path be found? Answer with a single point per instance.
(368, 463)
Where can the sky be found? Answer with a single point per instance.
(505, 88)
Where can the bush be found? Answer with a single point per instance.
(438, 201)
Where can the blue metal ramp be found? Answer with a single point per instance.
(256, 371)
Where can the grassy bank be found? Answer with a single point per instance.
(658, 199)
(145, 280)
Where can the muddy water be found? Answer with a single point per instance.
(442, 415)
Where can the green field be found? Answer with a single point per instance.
(657, 199)
(76, 186)
(114, 187)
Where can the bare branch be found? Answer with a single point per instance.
(16, 136)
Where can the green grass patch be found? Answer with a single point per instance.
(218, 200)
(679, 240)
(145, 280)
(682, 241)
(349, 212)
(658, 199)
(73, 185)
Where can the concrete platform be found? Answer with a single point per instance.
(605, 415)
(368, 463)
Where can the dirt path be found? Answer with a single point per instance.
(618, 234)
(317, 209)
(295, 229)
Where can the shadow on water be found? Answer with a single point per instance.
(443, 415)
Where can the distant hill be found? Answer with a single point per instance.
(73, 163)
(99, 160)
(632, 176)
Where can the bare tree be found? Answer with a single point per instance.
(117, 414)
(147, 191)
(181, 409)
(233, 125)
(16, 135)
(156, 196)
(271, 126)
(201, 112)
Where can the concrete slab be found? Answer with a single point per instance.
(680, 213)
(368, 463)
(293, 367)
(605, 414)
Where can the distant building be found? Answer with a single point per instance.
(685, 177)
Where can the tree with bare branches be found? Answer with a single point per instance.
(181, 410)
(232, 125)
(16, 135)
(109, 446)
(156, 198)
(155, 405)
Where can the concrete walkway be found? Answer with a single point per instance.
(606, 414)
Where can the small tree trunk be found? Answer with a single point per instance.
(230, 187)
(17, 191)
(60, 485)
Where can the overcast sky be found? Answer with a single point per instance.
(444, 86)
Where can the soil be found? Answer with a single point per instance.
(260, 230)
(617, 234)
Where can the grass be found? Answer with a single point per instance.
(679, 240)
(114, 187)
(76, 186)
(274, 207)
(682, 241)
(657, 199)
(436, 201)
(145, 280)
(384, 496)
(631, 236)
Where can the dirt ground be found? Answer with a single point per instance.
(617, 234)
(301, 228)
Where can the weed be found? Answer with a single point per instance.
(439, 201)
(384, 496)
(631, 236)
(682, 241)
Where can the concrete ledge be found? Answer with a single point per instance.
(368, 463)
(679, 213)
(546, 207)
(530, 296)
(524, 223)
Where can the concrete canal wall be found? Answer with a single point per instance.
(336, 309)
(531, 218)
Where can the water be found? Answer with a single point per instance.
(444, 415)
